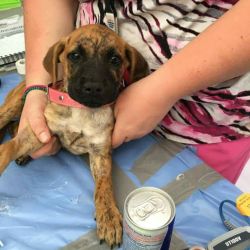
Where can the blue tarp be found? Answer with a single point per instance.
(49, 203)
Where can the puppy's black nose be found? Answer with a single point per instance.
(92, 88)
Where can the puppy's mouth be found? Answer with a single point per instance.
(92, 104)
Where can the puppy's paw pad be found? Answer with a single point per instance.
(23, 160)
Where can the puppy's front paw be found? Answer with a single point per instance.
(109, 224)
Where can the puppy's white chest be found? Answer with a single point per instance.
(80, 130)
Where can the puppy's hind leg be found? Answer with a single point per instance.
(23, 144)
(12, 106)
(9, 111)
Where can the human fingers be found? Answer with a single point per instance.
(33, 116)
(34, 112)
(138, 110)
(118, 138)
(50, 148)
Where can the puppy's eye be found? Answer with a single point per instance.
(74, 56)
(115, 60)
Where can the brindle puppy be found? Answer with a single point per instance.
(94, 60)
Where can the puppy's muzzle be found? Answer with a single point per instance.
(93, 95)
(93, 84)
(92, 88)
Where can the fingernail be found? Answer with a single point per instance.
(43, 137)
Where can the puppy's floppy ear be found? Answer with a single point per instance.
(52, 59)
(137, 65)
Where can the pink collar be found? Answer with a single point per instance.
(64, 99)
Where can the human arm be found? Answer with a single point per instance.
(219, 53)
(45, 23)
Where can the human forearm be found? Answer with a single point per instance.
(219, 53)
(45, 23)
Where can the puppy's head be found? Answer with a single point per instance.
(94, 60)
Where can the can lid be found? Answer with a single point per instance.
(149, 209)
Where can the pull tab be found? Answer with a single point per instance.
(111, 21)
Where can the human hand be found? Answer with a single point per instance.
(138, 109)
(33, 114)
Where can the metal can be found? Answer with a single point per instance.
(149, 215)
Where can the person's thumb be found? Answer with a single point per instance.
(39, 127)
